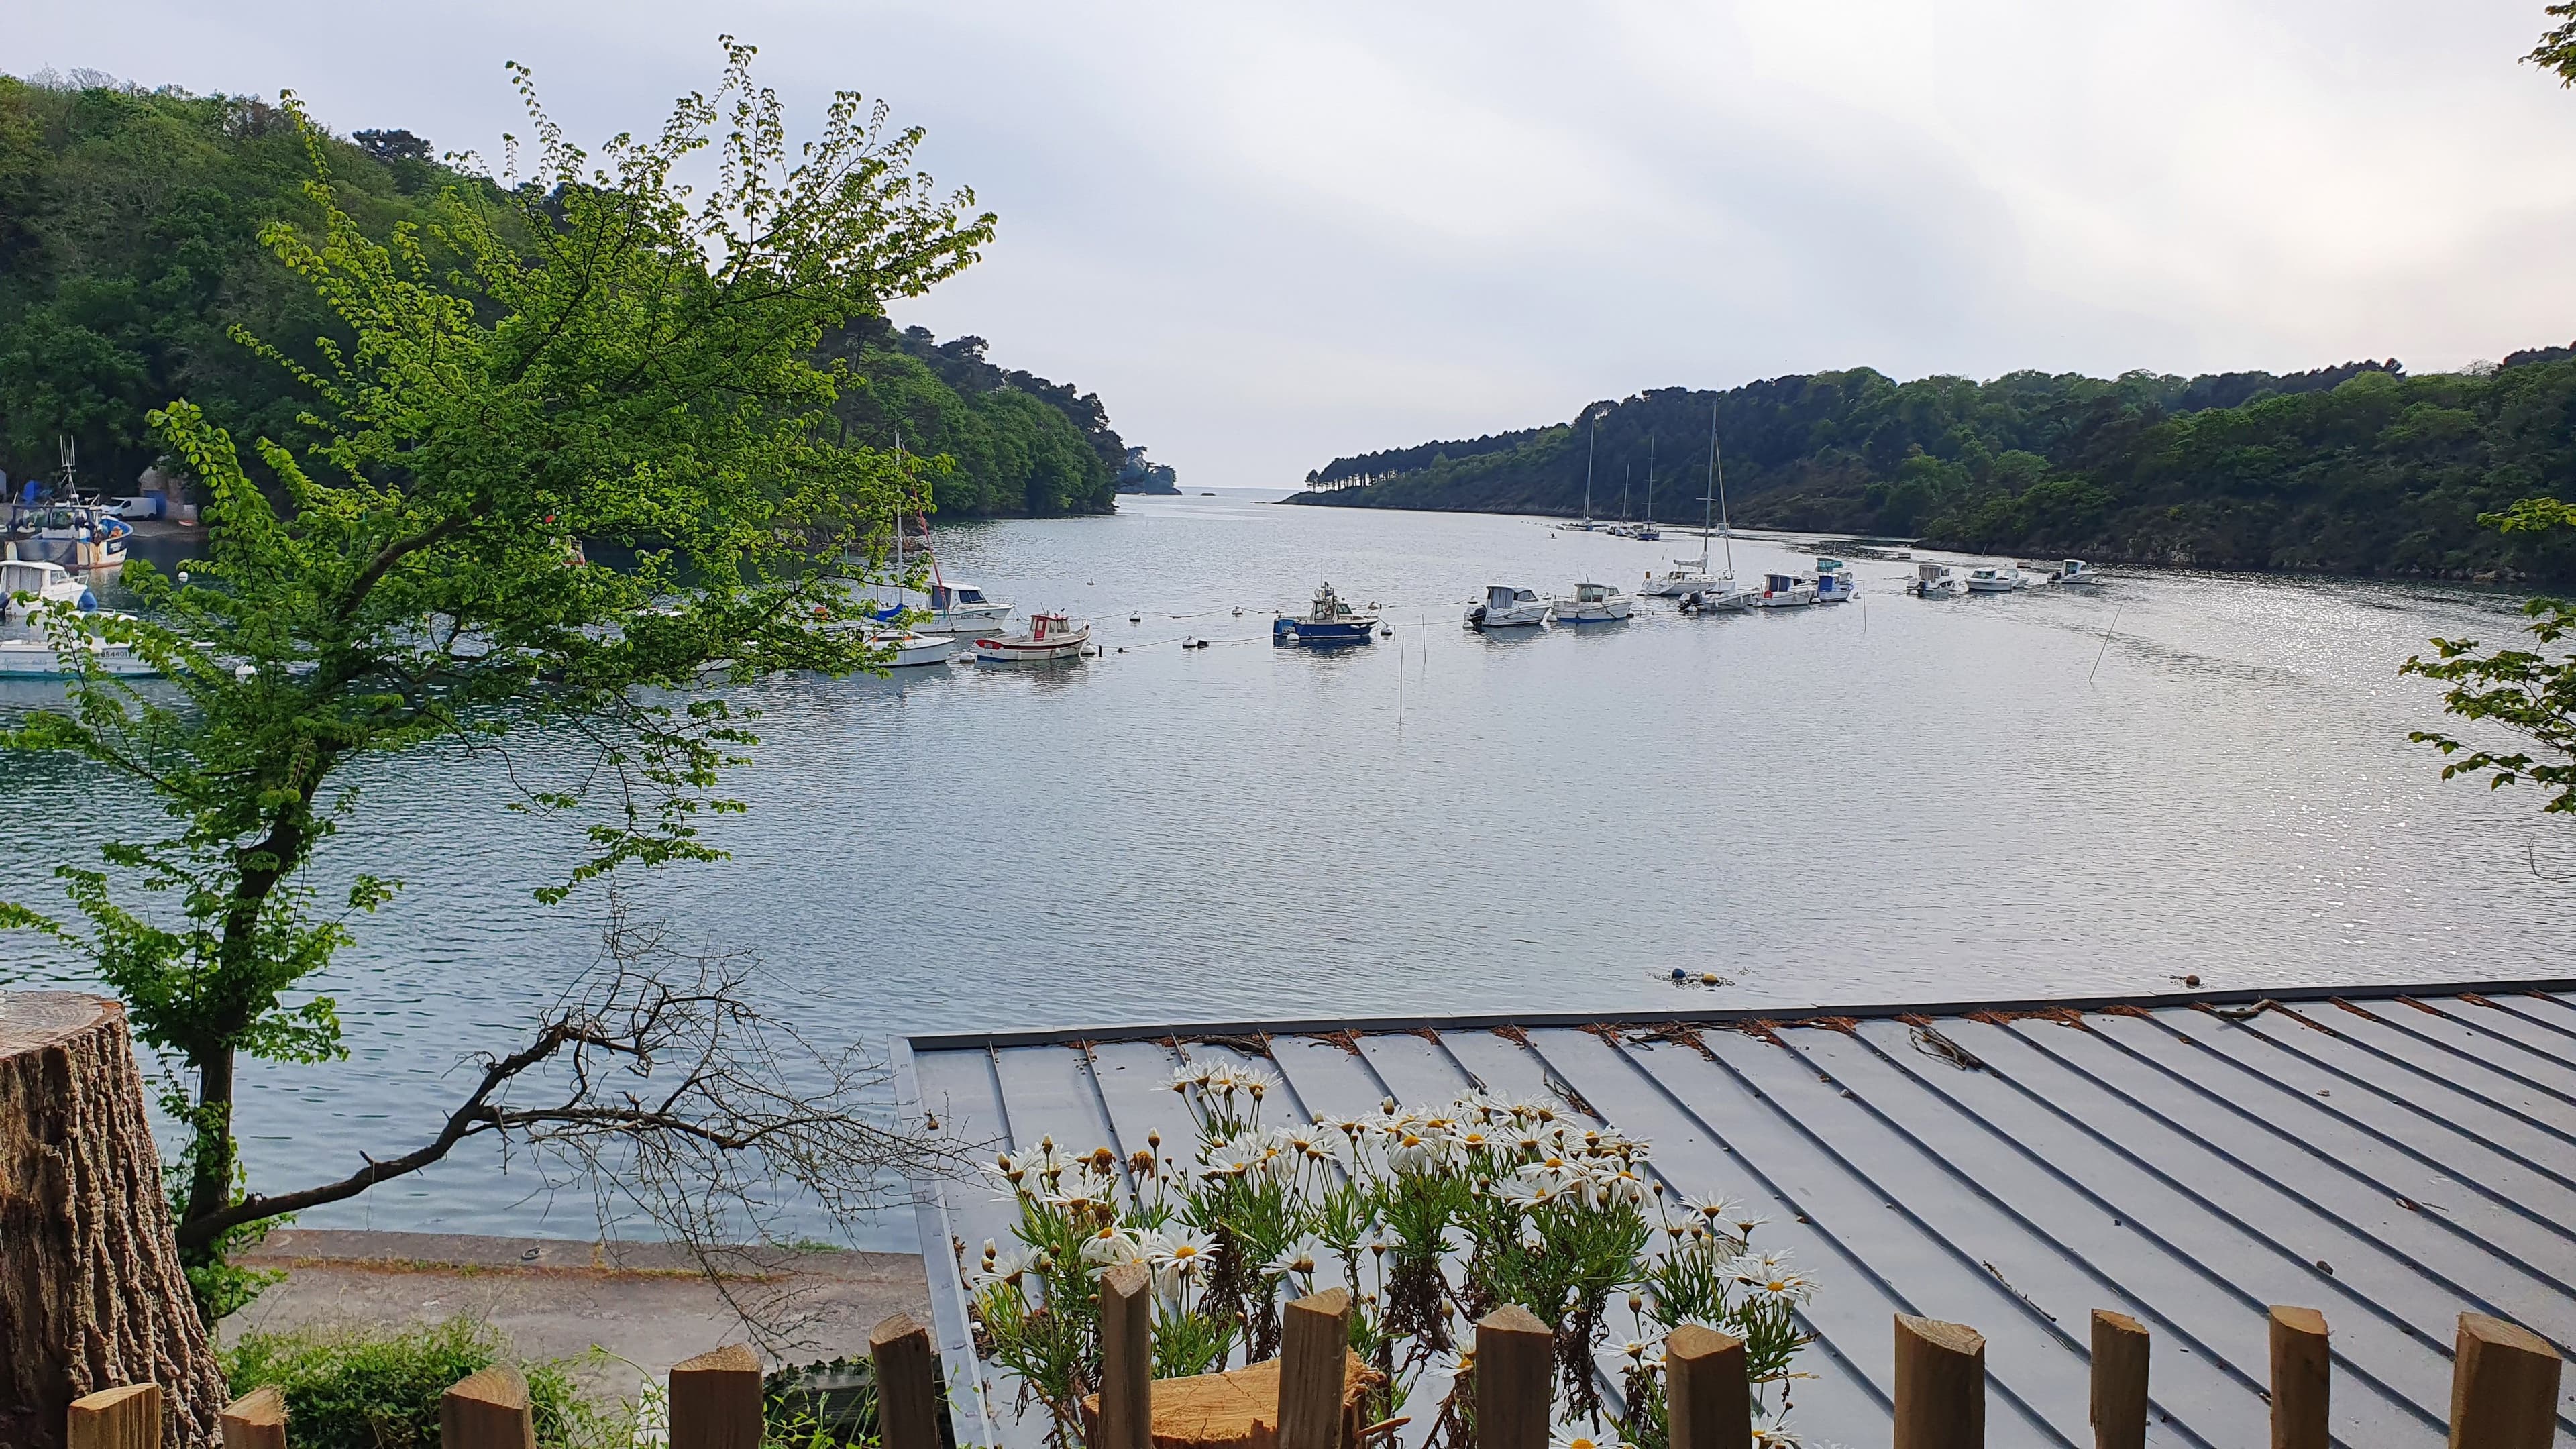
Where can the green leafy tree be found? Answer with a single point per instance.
(612, 358)
(2529, 691)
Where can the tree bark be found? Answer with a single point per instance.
(92, 1294)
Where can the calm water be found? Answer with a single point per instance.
(1892, 799)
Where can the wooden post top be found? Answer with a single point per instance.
(2496, 1333)
(1697, 1341)
(1957, 1338)
(2299, 1320)
(732, 1358)
(1513, 1318)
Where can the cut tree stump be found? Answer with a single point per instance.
(91, 1292)
(1236, 1410)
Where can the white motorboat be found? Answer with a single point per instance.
(1692, 577)
(29, 585)
(2077, 571)
(1933, 581)
(1785, 591)
(911, 649)
(1834, 582)
(1506, 607)
(1717, 600)
(1050, 636)
(1595, 604)
(36, 658)
(1993, 580)
(962, 609)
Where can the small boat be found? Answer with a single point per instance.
(29, 585)
(1933, 581)
(1507, 607)
(1993, 580)
(1785, 591)
(1717, 599)
(37, 659)
(80, 534)
(1050, 636)
(1692, 577)
(1595, 604)
(962, 609)
(1326, 621)
(1834, 583)
(2077, 571)
(1646, 533)
(912, 649)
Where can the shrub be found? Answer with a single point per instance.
(359, 1390)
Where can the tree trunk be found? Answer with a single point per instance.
(91, 1291)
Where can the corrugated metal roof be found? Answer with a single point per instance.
(2389, 1156)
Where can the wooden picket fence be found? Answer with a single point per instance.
(2504, 1389)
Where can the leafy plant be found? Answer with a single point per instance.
(1430, 1219)
(2531, 692)
(351, 1390)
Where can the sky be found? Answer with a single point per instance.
(1268, 235)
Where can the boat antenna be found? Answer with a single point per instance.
(1717, 474)
(1627, 471)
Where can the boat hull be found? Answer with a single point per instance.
(1357, 630)
(1608, 611)
(36, 659)
(1032, 651)
(1485, 617)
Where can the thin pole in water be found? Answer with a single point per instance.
(2106, 642)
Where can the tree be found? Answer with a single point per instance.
(2528, 691)
(611, 358)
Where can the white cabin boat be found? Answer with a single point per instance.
(1993, 580)
(1692, 577)
(1050, 636)
(1595, 604)
(1785, 591)
(1719, 598)
(1934, 581)
(2077, 571)
(28, 585)
(1506, 607)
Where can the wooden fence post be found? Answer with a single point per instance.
(716, 1400)
(1515, 1380)
(126, 1417)
(1314, 1347)
(2119, 1381)
(1126, 1358)
(256, 1420)
(487, 1409)
(907, 1386)
(2302, 1375)
(1940, 1385)
(2504, 1386)
(1706, 1399)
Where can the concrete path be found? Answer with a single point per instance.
(647, 1303)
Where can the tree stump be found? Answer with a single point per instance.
(92, 1295)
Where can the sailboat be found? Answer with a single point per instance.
(1646, 532)
(958, 610)
(1701, 590)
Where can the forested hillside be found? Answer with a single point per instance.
(129, 248)
(2351, 469)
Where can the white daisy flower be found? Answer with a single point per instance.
(1111, 1246)
(1573, 1439)
(1185, 1249)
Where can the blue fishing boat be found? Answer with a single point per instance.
(1326, 621)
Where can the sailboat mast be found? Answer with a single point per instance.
(1717, 471)
(1587, 467)
(1650, 477)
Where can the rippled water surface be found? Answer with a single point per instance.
(1886, 800)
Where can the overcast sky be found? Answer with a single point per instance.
(1267, 235)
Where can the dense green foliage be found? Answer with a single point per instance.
(352, 1390)
(2357, 469)
(129, 246)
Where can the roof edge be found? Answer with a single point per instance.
(1728, 1016)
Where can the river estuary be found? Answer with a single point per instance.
(1884, 800)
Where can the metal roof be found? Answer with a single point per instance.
(2390, 1156)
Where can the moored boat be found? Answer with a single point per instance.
(1595, 604)
(1833, 582)
(1785, 591)
(1049, 637)
(1328, 620)
(1933, 581)
(2077, 571)
(1993, 580)
(28, 585)
(913, 649)
(1506, 607)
